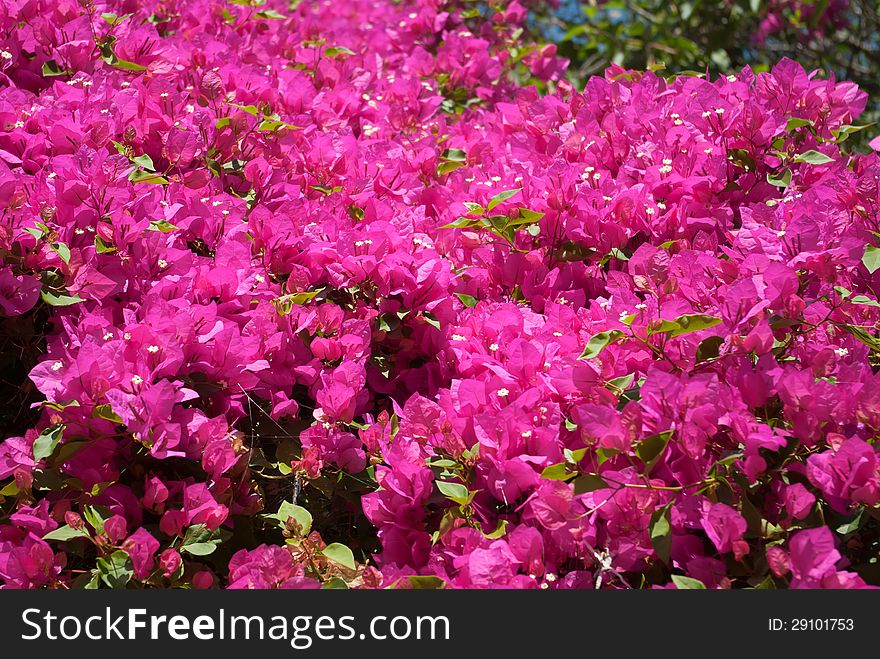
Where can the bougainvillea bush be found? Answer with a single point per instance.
(328, 295)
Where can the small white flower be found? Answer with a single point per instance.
(708, 151)
(562, 300)
(5, 54)
(641, 306)
(496, 179)
(597, 176)
(719, 110)
(780, 233)
(459, 337)
(706, 114)
(216, 203)
(163, 263)
(163, 95)
(731, 78)
(152, 349)
(526, 434)
(57, 366)
(661, 205)
(649, 210)
(557, 334)
(494, 347)
(841, 352)
(136, 380)
(503, 392)
(190, 108)
(260, 279)
(19, 124)
(127, 336)
(667, 161)
(623, 315)
(359, 243)
(550, 577)
(108, 336)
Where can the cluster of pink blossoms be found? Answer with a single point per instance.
(331, 300)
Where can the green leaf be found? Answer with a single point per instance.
(151, 178)
(341, 554)
(651, 448)
(589, 483)
(449, 166)
(864, 300)
(116, 569)
(871, 258)
(780, 181)
(96, 516)
(45, 444)
(693, 322)
(426, 582)
(338, 50)
(199, 540)
(52, 68)
(473, 208)
(454, 155)
(529, 216)
(10, 489)
(252, 110)
(687, 583)
(842, 133)
(66, 532)
(300, 515)
(62, 250)
(270, 13)
(467, 300)
(126, 65)
(852, 525)
(57, 300)
(574, 457)
(557, 472)
(144, 161)
(797, 122)
(872, 342)
(813, 158)
(162, 225)
(709, 348)
(431, 320)
(499, 532)
(106, 412)
(103, 248)
(501, 197)
(334, 583)
(455, 492)
(661, 533)
(598, 342)
(462, 223)
(622, 383)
